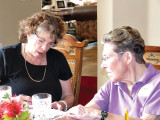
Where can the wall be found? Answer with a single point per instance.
(133, 13)
(153, 22)
(140, 14)
(104, 24)
(11, 12)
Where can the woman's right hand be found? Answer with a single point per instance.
(80, 112)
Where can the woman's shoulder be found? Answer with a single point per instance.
(11, 48)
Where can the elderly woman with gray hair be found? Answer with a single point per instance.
(134, 85)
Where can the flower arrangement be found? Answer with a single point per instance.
(12, 109)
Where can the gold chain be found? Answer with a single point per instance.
(44, 74)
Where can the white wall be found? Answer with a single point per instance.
(140, 14)
(153, 22)
(11, 12)
(105, 24)
(132, 13)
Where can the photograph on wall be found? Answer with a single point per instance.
(60, 4)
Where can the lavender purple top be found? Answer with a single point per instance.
(113, 97)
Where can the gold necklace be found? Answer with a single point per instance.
(44, 74)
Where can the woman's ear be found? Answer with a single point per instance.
(128, 57)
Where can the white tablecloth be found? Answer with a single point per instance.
(51, 114)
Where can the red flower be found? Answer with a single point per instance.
(11, 108)
(1, 113)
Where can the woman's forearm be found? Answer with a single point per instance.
(69, 100)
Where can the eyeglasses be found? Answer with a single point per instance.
(43, 42)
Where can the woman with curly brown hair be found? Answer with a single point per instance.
(31, 66)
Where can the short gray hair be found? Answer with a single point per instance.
(126, 39)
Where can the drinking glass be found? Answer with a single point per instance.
(4, 89)
(41, 103)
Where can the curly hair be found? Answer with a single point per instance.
(126, 39)
(39, 22)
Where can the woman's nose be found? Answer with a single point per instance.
(45, 47)
(103, 65)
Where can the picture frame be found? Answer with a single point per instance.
(60, 4)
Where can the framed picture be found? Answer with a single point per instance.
(60, 4)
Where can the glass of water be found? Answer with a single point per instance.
(41, 103)
(4, 89)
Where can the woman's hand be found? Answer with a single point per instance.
(80, 112)
(58, 105)
(24, 98)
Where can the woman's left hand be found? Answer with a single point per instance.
(58, 105)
